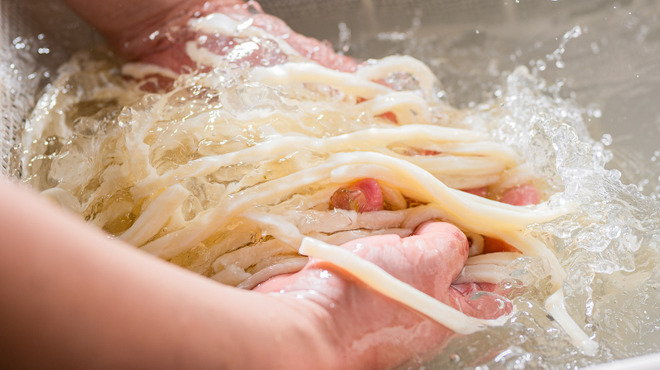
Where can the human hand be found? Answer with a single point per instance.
(369, 330)
(156, 32)
(373, 331)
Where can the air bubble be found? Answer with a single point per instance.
(540, 64)
(611, 232)
(19, 43)
(606, 139)
(593, 110)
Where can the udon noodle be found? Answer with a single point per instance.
(230, 172)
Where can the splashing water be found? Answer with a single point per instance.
(608, 247)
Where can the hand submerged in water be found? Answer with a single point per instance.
(366, 329)
(373, 331)
(155, 31)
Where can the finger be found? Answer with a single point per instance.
(429, 260)
(480, 300)
(439, 251)
(521, 195)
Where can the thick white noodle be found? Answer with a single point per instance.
(486, 268)
(461, 208)
(290, 73)
(473, 144)
(399, 64)
(155, 216)
(284, 267)
(482, 273)
(378, 279)
(476, 243)
(253, 204)
(556, 307)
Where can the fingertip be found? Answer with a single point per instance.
(436, 227)
(481, 300)
(442, 228)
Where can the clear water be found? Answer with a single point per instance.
(604, 56)
(570, 116)
(584, 117)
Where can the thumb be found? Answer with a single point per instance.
(429, 260)
(438, 250)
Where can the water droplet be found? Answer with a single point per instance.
(244, 25)
(606, 139)
(344, 37)
(19, 43)
(154, 35)
(540, 64)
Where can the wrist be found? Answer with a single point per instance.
(311, 334)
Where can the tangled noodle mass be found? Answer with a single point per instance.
(238, 164)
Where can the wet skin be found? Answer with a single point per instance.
(375, 331)
(368, 330)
